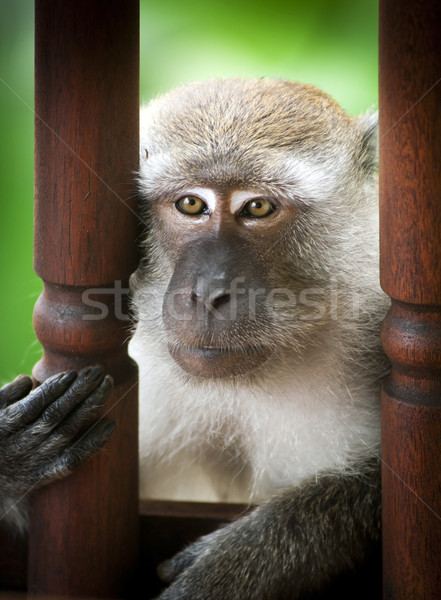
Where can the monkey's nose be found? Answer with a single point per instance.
(212, 299)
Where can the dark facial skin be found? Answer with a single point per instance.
(206, 307)
(213, 306)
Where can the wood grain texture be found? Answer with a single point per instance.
(84, 530)
(410, 153)
(410, 227)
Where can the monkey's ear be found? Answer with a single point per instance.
(368, 157)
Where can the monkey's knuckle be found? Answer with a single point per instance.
(70, 459)
(12, 419)
(56, 462)
(91, 407)
(41, 429)
(43, 395)
(49, 419)
(54, 445)
(81, 450)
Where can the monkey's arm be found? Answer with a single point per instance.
(292, 545)
(39, 433)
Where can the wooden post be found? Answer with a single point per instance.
(410, 192)
(84, 530)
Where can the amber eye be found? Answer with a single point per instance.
(191, 205)
(258, 208)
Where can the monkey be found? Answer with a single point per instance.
(258, 311)
(257, 315)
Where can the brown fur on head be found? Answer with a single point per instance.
(227, 131)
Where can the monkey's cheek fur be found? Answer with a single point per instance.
(217, 362)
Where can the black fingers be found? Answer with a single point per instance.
(50, 403)
(170, 569)
(81, 391)
(17, 389)
(45, 435)
(27, 410)
(84, 447)
(166, 572)
(82, 414)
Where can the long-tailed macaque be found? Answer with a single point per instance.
(258, 310)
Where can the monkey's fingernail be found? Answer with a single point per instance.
(107, 381)
(165, 570)
(92, 373)
(67, 378)
(160, 570)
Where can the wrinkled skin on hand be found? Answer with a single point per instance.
(45, 433)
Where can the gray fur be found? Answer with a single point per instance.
(288, 547)
(299, 434)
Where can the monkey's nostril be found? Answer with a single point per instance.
(219, 297)
(213, 299)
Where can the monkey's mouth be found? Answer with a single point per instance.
(218, 362)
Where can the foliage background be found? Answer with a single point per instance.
(330, 43)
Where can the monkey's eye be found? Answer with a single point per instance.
(191, 205)
(258, 208)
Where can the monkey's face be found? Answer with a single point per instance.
(222, 264)
(238, 179)
(223, 244)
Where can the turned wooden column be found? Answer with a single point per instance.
(84, 530)
(410, 191)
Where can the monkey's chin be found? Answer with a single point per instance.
(217, 362)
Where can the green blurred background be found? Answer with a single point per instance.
(330, 43)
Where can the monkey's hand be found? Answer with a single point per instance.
(40, 431)
(294, 544)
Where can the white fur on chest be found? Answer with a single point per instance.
(217, 440)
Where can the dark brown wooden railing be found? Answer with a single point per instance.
(410, 190)
(84, 530)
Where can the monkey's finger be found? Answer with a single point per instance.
(78, 452)
(166, 571)
(69, 428)
(87, 409)
(16, 390)
(86, 391)
(170, 569)
(24, 411)
(49, 404)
